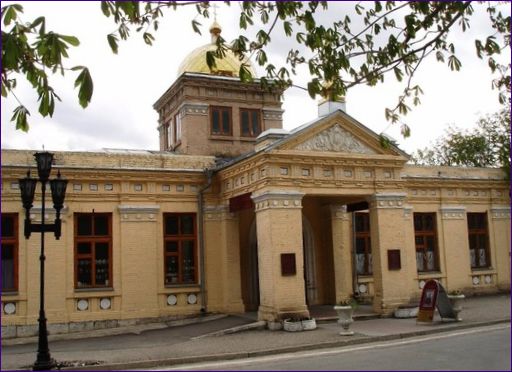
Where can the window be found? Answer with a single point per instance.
(478, 240)
(9, 252)
(93, 250)
(220, 121)
(180, 248)
(363, 244)
(170, 134)
(250, 122)
(426, 242)
(177, 129)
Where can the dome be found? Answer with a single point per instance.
(227, 66)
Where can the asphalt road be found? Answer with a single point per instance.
(482, 349)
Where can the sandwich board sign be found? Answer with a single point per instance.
(433, 296)
(428, 301)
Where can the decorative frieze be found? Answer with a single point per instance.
(194, 109)
(272, 114)
(138, 213)
(500, 212)
(49, 213)
(391, 200)
(452, 212)
(278, 200)
(335, 139)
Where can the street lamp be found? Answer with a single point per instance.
(27, 188)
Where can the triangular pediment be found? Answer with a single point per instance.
(337, 132)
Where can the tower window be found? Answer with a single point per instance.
(220, 121)
(250, 122)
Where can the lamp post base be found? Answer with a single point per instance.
(44, 365)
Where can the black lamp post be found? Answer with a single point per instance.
(58, 187)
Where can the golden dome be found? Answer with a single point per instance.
(229, 65)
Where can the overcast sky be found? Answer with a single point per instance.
(126, 85)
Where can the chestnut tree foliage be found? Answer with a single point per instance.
(486, 145)
(365, 45)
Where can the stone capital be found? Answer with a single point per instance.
(452, 212)
(218, 212)
(194, 109)
(338, 211)
(500, 212)
(138, 213)
(278, 200)
(388, 200)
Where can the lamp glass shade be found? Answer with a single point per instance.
(58, 187)
(27, 190)
(44, 164)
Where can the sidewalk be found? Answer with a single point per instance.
(158, 345)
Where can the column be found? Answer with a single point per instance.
(455, 247)
(500, 244)
(279, 232)
(341, 245)
(393, 285)
(222, 259)
(139, 241)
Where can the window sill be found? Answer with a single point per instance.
(483, 270)
(10, 293)
(248, 139)
(188, 285)
(102, 289)
(219, 137)
(430, 274)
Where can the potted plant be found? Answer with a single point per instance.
(345, 310)
(296, 324)
(456, 298)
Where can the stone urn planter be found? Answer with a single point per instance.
(297, 325)
(456, 301)
(345, 318)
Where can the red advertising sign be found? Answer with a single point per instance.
(428, 301)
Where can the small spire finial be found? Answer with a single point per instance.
(215, 7)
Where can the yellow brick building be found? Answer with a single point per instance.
(235, 214)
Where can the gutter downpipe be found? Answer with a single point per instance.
(200, 204)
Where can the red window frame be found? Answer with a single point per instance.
(221, 110)
(251, 132)
(93, 239)
(478, 236)
(422, 236)
(11, 240)
(362, 232)
(179, 239)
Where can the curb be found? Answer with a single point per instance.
(246, 327)
(289, 349)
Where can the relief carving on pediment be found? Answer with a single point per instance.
(335, 139)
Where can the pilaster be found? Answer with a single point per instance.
(279, 231)
(392, 285)
(341, 245)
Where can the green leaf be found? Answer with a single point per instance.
(112, 41)
(195, 26)
(20, 117)
(148, 38)
(84, 81)
(287, 28)
(70, 40)
(244, 73)
(454, 63)
(105, 9)
(9, 15)
(210, 59)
